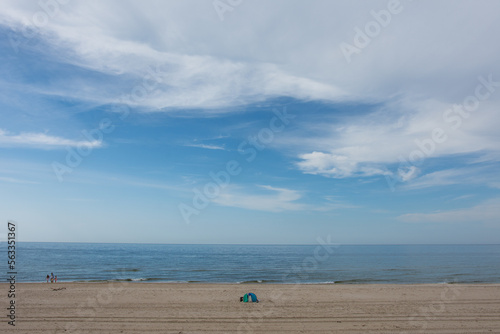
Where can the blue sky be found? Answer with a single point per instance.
(250, 122)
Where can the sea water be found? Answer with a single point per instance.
(288, 264)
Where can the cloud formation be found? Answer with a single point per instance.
(156, 72)
(486, 212)
(164, 56)
(273, 199)
(207, 146)
(208, 63)
(398, 140)
(44, 141)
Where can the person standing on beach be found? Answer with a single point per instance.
(48, 277)
(51, 277)
(55, 279)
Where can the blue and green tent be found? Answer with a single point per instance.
(250, 298)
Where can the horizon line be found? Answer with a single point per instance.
(260, 244)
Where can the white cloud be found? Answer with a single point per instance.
(442, 178)
(472, 175)
(42, 140)
(176, 55)
(145, 59)
(333, 165)
(207, 146)
(488, 212)
(262, 49)
(403, 135)
(273, 199)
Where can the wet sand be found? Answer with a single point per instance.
(215, 308)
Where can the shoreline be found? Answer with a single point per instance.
(126, 307)
(134, 281)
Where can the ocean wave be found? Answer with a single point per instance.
(119, 270)
(139, 279)
(362, 280)
(258, 281)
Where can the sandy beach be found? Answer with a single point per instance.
(215, 308)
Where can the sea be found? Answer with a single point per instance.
(278, 264)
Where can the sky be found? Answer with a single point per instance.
(250, 122)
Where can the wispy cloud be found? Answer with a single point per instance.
(470, 175)
(444, 177)
(488, 211)
(401, 134)
(115, 179)
(272, 199)
(338, 166)
(42, 140)
(247, 66)
(332, 204)
(168, 80)
(14, 180)
(207, 146)
(463, 197)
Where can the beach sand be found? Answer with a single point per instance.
(215, 308)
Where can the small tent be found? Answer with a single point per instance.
(249, 298)
(254, 297)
